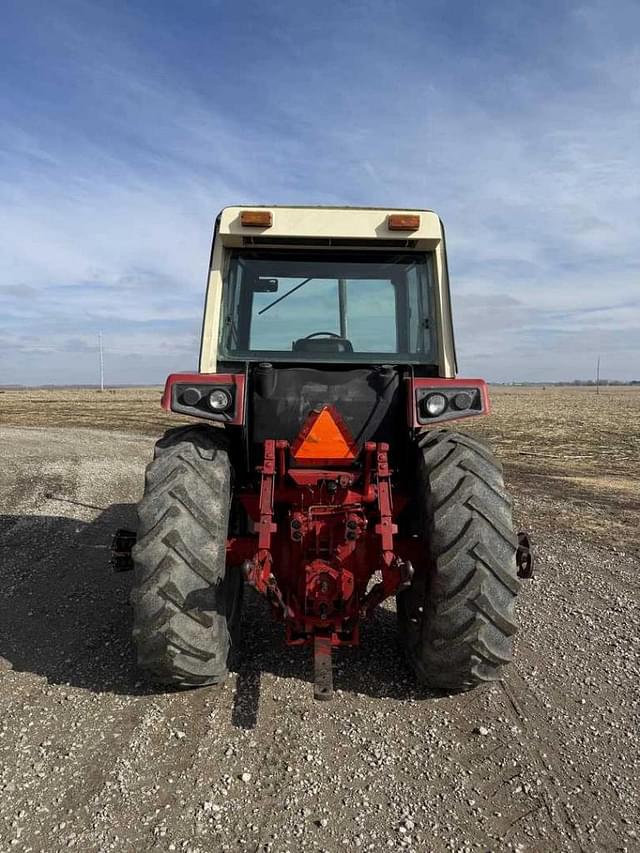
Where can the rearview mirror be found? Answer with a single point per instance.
(265, 285)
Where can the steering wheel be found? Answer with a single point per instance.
(327, 334)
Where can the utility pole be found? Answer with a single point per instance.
(101, 361)
(598, 375)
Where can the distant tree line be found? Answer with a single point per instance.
(591, 382)
(601, 382)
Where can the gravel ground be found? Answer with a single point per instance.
(91, 759)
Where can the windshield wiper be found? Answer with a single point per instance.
(284, 295)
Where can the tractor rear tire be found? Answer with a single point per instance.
(186, 601)
(456, 620)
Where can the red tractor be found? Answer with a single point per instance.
(324, 472)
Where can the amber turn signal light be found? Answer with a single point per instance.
(403, 222)
(256, 218)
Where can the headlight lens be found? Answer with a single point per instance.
(219, 400)
(462, 401)
(434, 405)
(191, 396)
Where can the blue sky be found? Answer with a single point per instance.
(126, 126)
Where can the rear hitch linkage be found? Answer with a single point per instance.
(325, 608)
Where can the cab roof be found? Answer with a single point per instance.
(353, 223)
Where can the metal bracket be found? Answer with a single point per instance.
(397, 574)
(322, 667)
(524, 557)
(258, 571)
(121, 546)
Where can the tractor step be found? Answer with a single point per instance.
(121, 545)
(322, 667)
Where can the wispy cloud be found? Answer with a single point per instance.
(124, 131)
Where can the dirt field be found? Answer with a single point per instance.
(92, 760)
(572, 454)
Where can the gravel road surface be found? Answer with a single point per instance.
(92, 759)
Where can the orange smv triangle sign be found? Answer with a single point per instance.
(324, 438)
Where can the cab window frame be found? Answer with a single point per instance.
(237, 306)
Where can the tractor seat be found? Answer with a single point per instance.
(322, 345)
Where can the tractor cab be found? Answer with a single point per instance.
(324, 307)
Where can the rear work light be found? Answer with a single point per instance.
(434, 405)
(256, 218)
(462, 401)
(403, 222)
(220, 400)
(212, 396)
(434, 400)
